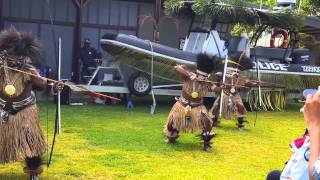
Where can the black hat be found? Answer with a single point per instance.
(205, 64)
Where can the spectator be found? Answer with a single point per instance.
(312, 118)
(88, 57)
(274, 175)
(297, 166)
(305, 161)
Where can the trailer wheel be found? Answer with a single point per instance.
(139, 84)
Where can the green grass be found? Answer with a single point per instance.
(109, 142)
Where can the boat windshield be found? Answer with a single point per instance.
(205, 24)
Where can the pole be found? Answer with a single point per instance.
(223, 81)
(259, 79)
(59, 93)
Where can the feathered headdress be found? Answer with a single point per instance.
(19, 43)
(244, 63)
(237, 64)
(205, 64)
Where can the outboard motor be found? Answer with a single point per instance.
(300, 56)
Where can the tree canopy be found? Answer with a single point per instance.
(240, 11)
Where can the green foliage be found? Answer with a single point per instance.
(240, 11)
(309, 7)
(271, 3)
(285, 20)
(173, 5)
(241, 29)
(110, 142)
(227, 13)
(308, 41)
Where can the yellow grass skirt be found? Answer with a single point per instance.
(21, 136)
(237, 102)
(178, 119)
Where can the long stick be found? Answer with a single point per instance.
(154, 103)
(265, 82)
(223, 80)
(259, 87)
(219, 83)
(65, 84)
(59, 93)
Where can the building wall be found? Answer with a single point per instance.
(169, 34)
(99, 17)
(34, 16)
(109, 16)
(145, 30)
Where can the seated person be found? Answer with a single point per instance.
(297, 166)
(305, 162)
(312, 118)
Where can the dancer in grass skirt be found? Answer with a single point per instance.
(232, 101)
(189, 114)
(21, 137)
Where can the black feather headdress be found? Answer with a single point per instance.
(244, 63)
(19, 43)
(240, 63)
(206, 63)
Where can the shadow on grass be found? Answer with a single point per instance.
(185, 146)
(136, 140)
(234, 128)
(11, 176)
(193, 147)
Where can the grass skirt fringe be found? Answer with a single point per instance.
(236, 100)
(22, 136)
(178, 119)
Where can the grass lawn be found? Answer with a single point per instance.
(109, 142)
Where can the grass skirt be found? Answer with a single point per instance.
(238, 107)
(177, 118)
(22, 136)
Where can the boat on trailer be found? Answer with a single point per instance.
(144, 65)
